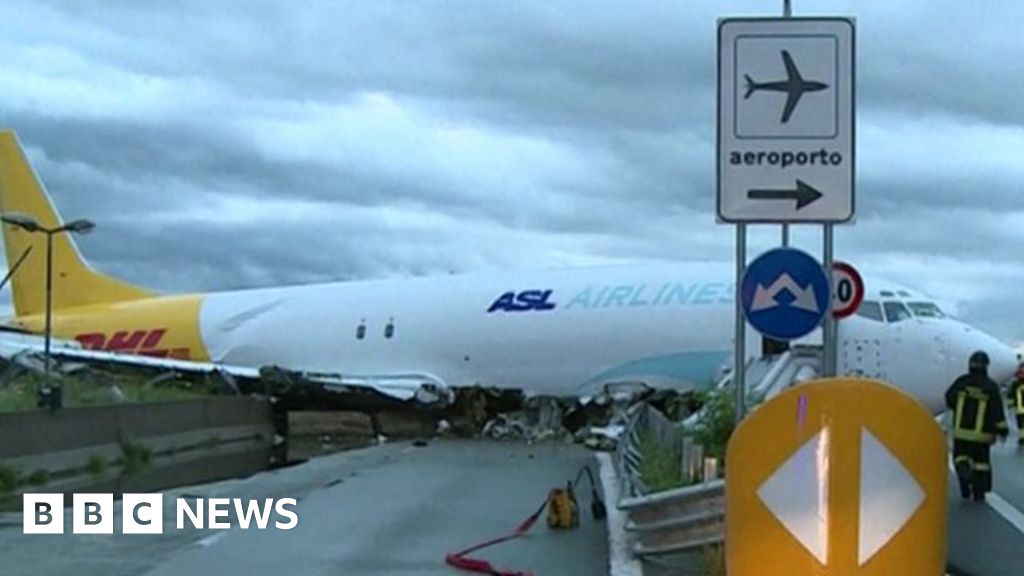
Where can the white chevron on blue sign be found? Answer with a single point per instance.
(785, 293)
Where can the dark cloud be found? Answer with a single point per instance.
(224, 146)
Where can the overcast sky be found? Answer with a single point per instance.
(227, 145)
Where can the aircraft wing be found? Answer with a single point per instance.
(792, 73)
(791, 100)
(407, 386)
(794, 80)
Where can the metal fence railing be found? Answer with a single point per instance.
(669, 521)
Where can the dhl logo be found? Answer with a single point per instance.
(142, 342)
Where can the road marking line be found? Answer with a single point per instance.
(211, 540)
(1008, 511)
(620, 559)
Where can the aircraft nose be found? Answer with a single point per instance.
(1003, 363)
(1002, 358)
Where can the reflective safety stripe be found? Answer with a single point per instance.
(960, 462)
(972, 436)
(1020, 399)
(982, 467)
(973, 432)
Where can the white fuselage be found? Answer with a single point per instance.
(552, 332)
(559, 332)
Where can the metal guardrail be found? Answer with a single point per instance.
(670, 521)
(683, 519)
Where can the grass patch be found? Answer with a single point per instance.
(136, 457)
(96, 467)
(95, 388)
(9, 479)
(716, 423)
(660, 466)
(712, 561)
(38, 478)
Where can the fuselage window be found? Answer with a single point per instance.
(925, 310)
(871, 310)
(361, 331)
(896, 312)
(389, 330)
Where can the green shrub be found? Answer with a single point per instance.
(715, 424)
(97, 466)
(713, 560)
(660, 466)
(135, 458)
(38, 477)
(8, 479)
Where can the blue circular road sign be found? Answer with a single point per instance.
(785, 294)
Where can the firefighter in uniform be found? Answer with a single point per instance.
(1017, 401)
(978, 417)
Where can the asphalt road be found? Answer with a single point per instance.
(398, 509)
(982, 541)
(395, 509)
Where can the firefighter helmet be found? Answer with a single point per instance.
(979, 360)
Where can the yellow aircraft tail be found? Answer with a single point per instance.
(74, 282)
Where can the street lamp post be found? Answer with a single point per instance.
(47, 394)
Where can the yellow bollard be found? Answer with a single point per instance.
(837, 477)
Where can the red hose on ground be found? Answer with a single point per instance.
(461, 561)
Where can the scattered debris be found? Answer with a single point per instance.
(168, 376)
(596, 422)
(443, 427)
(341, 418)
(117, 394)
(511, 425)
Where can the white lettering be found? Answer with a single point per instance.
(185, 510)
(246, 514)
(218, 508)
(282, 510)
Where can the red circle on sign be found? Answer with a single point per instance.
(843, 273)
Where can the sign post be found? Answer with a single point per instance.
(785, 138)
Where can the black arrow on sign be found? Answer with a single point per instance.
(804, 194)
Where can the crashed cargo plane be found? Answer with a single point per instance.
(563, 333)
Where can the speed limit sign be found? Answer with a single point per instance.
(847, 290)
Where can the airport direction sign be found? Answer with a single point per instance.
(851, 482)
(847, 290)
(785, 293)
(785, 120)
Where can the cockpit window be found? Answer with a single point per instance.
(896, 312)
(871, 310)
(886, 293)
(925, 310)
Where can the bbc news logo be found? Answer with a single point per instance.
(144, 513)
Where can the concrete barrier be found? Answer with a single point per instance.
(135, 446)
